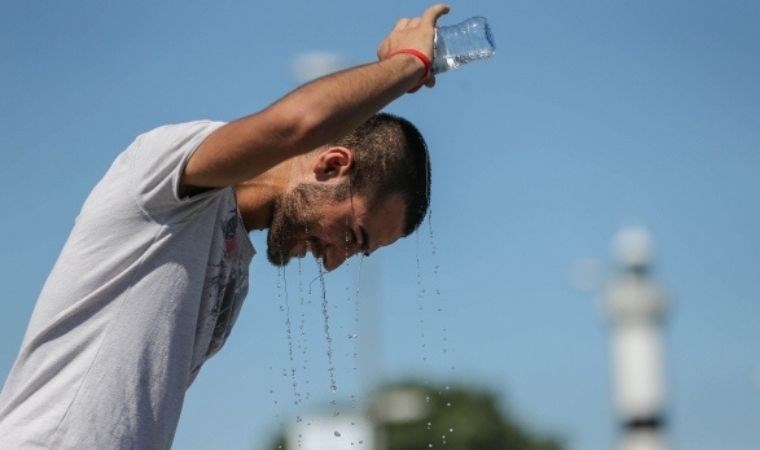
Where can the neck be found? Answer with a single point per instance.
(255, 203)
(256, 197)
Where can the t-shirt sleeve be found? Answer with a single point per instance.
(158, 159)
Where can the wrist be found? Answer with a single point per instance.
(422, 59)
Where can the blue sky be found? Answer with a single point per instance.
(592, 115)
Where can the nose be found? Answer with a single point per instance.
(335, 257)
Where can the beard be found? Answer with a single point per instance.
(293, 218)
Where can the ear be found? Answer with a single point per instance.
(333, 163)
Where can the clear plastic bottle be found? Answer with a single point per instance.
(459, 44)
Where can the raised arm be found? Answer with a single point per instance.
(315, 113)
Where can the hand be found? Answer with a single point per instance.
(415, 33)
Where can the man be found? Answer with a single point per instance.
(152, 277)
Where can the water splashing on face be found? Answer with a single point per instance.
(302, 341)
(328, 336)
(285, 307)
(357, 314)
(436, 283)
(421, 302)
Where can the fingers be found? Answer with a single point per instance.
(431, 15)
(416, 32)
(406, 23)
(401, 24)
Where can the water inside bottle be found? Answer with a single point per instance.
(459, 44)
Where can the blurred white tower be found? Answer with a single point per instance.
(636, 308)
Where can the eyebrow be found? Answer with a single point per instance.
(365, 240)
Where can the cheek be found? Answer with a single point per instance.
(290, 232)
(301, 224)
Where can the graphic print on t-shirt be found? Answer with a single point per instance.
(227, 283)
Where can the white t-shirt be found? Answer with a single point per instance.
(147, 287)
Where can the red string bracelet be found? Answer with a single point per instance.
(425, 60)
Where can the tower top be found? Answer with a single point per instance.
(633, 248)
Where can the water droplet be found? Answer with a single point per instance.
(451, 430)
(448, 403)
(337, 433)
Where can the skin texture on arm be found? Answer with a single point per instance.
(315, 113)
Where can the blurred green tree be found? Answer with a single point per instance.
(463, 419)
(454, 418)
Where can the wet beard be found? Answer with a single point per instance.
(293, 219)
(283, 235)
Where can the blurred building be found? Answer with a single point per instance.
(331, 432)
(636, 308)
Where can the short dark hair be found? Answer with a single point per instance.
(391, 158)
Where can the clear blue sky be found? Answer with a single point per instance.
(592, 115)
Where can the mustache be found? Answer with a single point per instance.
(281, 244)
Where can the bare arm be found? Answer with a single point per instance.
(315, 113)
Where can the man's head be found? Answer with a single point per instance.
(370, 188)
